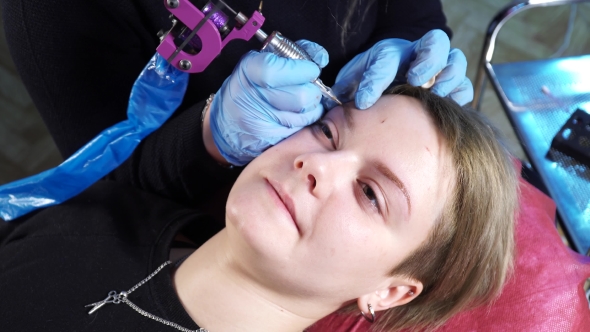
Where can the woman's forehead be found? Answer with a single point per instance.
(389, 111)
(400, 134)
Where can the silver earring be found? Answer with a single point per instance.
(372, 319)
(411, 293)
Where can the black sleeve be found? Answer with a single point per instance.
(79, 59)
(174, 163)
(408, 20)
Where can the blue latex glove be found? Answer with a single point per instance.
(265, 100)
(368, 74)
(155, 95)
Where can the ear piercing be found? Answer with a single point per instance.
(372, 319)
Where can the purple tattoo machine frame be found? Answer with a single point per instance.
(197, 35)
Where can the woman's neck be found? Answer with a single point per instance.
(219, 296)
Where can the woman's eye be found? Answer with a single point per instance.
(370, 195)
(326, 131)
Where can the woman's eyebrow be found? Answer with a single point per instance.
(380, 166)
(385, 171)
(349, 121)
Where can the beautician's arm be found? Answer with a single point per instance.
(266, 99)
(174, 162)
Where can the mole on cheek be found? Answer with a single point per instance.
(383, 121)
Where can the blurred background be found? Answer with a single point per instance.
(26, 147)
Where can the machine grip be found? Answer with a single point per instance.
(207, 32)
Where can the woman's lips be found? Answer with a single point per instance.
(284, 199)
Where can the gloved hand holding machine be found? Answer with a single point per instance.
(193, 42)
(203, 34)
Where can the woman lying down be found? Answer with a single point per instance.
(404, 211)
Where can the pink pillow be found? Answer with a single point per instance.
(545, 293)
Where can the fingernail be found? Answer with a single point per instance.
(362, 100)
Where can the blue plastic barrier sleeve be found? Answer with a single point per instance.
(155, 95)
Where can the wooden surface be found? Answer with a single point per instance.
(26, 147)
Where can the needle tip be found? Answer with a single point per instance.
(336, 100)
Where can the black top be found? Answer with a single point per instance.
(62, 258)
(56, 260)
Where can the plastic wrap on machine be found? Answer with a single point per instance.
(155, 95)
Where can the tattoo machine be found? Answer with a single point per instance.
(197, 36)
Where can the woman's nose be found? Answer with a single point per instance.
(321, 172)
(310, 170)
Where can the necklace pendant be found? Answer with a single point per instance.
(113, 297)
(116, 298)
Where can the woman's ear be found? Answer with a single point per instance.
(400, 291)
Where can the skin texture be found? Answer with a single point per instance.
(313, 224)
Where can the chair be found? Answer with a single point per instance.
(538, 98)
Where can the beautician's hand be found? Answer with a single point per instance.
(265, 100)
(368, 74)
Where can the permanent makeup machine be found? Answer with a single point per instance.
(198, 36)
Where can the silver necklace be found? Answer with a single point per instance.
(117, 298)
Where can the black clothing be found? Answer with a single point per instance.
(57, 260)
(78, 59)
(193, 178)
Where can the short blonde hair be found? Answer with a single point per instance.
(469, 252)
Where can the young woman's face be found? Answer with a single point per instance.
(331, 210)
